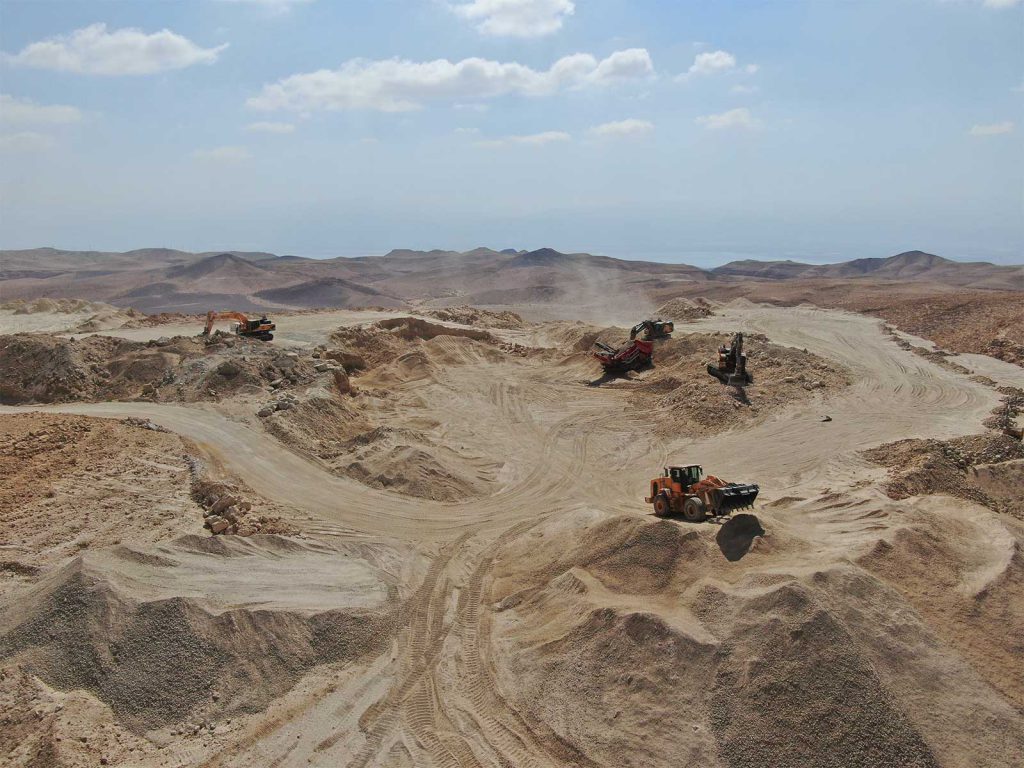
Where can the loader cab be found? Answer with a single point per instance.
(685, 476)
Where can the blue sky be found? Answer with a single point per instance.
(689, 131)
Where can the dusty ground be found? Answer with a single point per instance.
(537, 614)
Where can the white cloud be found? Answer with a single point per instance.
(533, 139)
(992, 129)
(620, 128)
(743, 89)
(734, 118)
(223, 155)
(712, 62)
(277, 6)
(270, 127)
(26, 141)
(93, 50)
(14, 110)
(516, 18)
(398, 85)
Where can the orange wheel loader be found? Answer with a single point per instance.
(682, 490)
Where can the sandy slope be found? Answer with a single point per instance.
(559, 624)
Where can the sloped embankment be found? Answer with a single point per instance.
(142, 630)
(618, 637)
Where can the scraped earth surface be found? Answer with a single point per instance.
(470, 576)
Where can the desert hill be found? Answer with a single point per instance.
(328, 292)
(167, 280)
(910, 265)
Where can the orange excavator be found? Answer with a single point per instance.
(261, 329)
(681, 489)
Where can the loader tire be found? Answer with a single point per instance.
(693, 510)
(662, 506)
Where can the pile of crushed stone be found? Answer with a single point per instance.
(108, 623)
(62, 306)
(467, 315)
(369, 346)
(980, 468)
(681, 310)
(596, 647)
(44, 368)
(228, 509)
(70, 483)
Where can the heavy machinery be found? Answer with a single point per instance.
(682, 490)
(638, 352)
(261, 329)
(732, 364)
(653, 329)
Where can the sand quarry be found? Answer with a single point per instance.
(432, 547)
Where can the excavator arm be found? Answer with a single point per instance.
(212, 317)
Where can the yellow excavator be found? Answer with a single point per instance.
(261, 329)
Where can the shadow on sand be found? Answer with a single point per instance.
(737, 534)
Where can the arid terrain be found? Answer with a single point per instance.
(411, 530)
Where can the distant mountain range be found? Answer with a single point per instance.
(165, 280)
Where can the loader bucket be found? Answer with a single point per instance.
(734, 496)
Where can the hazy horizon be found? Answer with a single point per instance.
(703, 259)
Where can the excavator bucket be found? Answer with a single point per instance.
(734, 496)
(733, 379)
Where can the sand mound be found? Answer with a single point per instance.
(159, 655)
(372, 344)
(385, 460)
(47, 369)
(979, 468)
(691, 401)
(635, 555)
(62, 306)
(104, 481)
(769, 687)
(62, 315)
(411, 328)
(485, 318)
(342, 434)
(681, 310)
(652, 643)
(42, 368)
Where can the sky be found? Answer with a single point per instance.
(694, 131)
